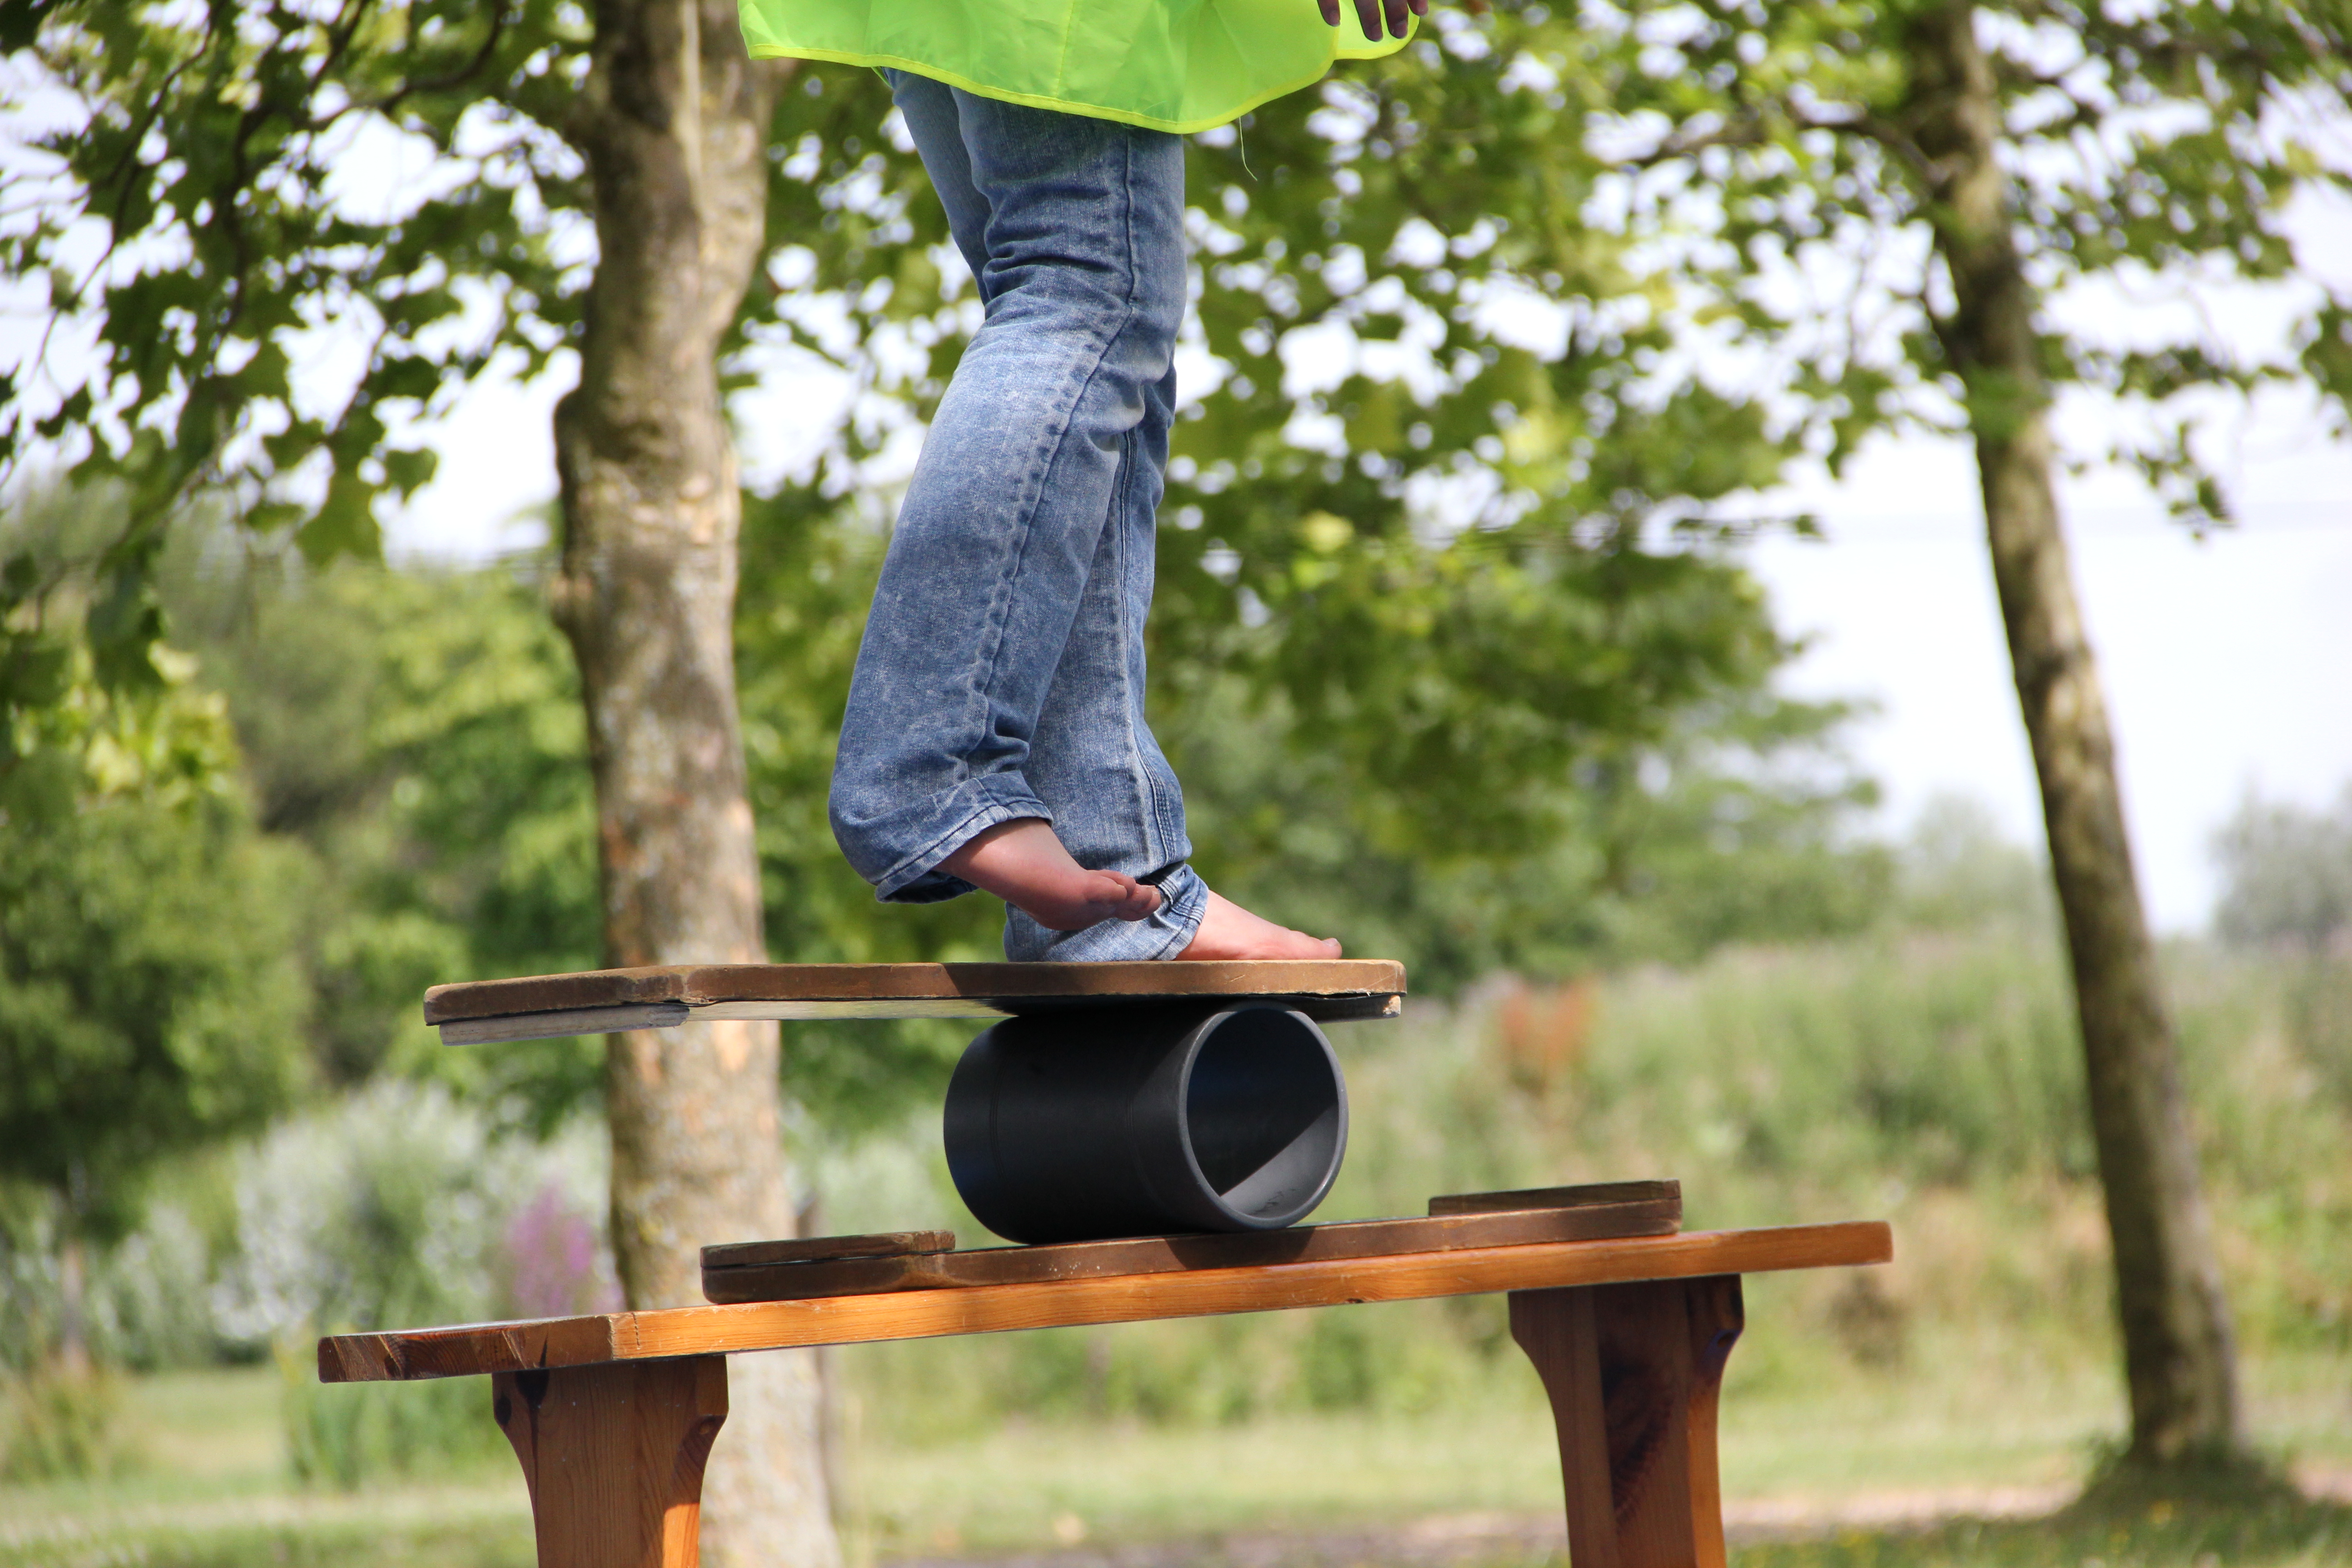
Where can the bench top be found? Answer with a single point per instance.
(604, 1000)
(480, 1347)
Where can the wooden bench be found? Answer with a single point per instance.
(612, 1415)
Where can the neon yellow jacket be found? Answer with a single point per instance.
(1165, 65)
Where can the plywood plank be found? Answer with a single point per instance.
(991, 1308)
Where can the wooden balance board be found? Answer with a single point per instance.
(927, 1260)
(603, 1001)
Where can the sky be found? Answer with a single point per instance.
(2227, 662)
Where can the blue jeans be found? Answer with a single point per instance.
(1001, 672)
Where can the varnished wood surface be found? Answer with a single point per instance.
(614, 1457)
(988, 1309)
(1634, 1372)
(737, 1273)
(1323, 989)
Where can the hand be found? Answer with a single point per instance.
(1368, 13)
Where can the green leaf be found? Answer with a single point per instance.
(343, 524)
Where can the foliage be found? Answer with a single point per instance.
(144, 1304)
(1460, 620)
(202, 163)
(346, 1436)
(2165, 146)
(78, 721)
(2286, 874)
(393, 1206)
(58, 1425)
(415, 738)
(1958, 872)
(400, 1206)
(148, 1002)
(1729, 829)
(148, 999)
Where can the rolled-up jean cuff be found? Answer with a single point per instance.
(1164, 934)
(983, 802)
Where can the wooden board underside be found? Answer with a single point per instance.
(563, 1024)
(731, 1273)
(988, 1309)
(1331, 990)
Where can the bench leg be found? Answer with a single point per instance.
(1634, 1372)
(614, 1457)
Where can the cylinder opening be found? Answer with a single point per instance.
(1266, 1115)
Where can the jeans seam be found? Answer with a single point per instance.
(1153, 809)
(1131, 704)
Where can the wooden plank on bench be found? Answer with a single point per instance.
(988, 1309)
(600, 1001)
(1667, 1190)
(850, 1266)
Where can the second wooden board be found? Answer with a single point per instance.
(748, 1271)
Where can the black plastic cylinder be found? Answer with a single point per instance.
(1082, 1126)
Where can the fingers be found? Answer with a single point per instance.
(1374, 16)
(1330, 9)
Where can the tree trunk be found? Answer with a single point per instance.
(2178, 1355)
(672, 123)
(73, 1337)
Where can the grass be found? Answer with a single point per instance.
(212, 1488)
(2275, 1532)
(207, 1483)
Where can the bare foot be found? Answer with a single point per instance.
(1023, 863)
(1231, 932)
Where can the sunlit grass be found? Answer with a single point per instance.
(213, 1486)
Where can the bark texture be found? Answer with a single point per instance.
(2179, 1352)
(672, 124)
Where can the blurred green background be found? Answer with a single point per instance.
(1723, 976)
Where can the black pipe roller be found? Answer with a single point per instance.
(1084, 1125)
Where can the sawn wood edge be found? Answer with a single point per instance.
(708, 985)
(991, 1308)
